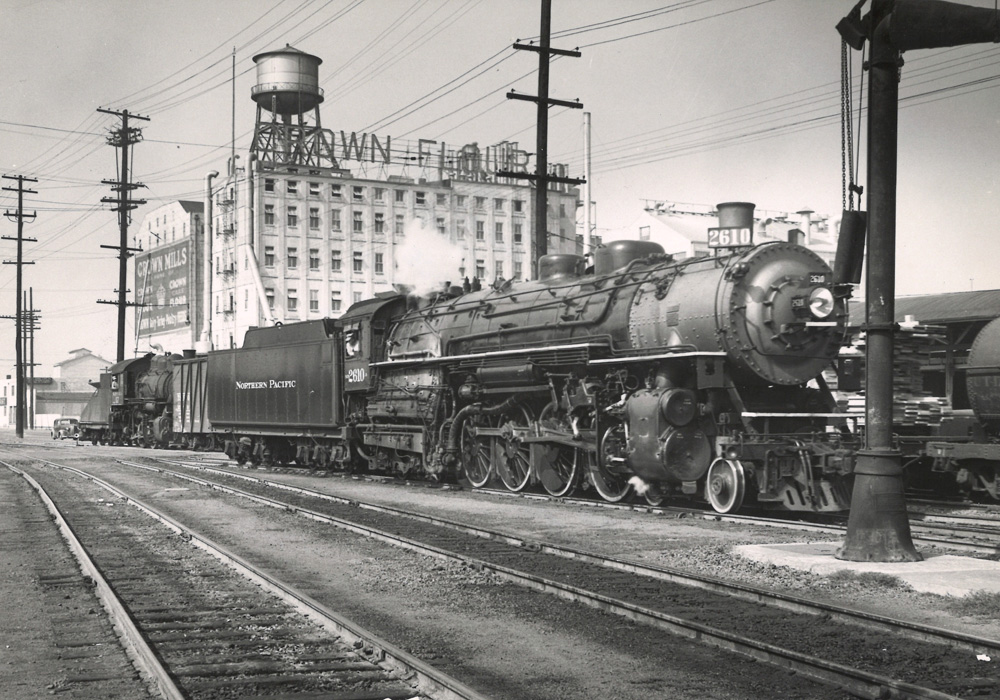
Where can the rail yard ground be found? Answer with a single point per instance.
(436, 606)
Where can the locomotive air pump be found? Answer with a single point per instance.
(878, 528)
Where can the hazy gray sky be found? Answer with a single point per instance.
(697, 101)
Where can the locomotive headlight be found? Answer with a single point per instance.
(821, 302)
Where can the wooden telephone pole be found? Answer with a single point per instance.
(123, 138)
(20, 217)
(542, 178)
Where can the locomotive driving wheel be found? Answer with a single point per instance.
(513, 463)
(559, 464)
(606, 474)
(725, 485)
(477, 451)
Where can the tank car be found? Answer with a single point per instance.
(699, 376)
(971, 455)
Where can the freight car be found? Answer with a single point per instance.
(968, 453)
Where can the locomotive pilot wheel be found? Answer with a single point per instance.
(613, 484)
(726, 485)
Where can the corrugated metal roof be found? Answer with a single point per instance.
(940, 308)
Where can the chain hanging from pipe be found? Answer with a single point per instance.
(848, 165)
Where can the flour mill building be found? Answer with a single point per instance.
(313, 220)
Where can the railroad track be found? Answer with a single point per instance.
(202, 631)
(966, 533)
(844, 653)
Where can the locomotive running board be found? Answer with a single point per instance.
(647, 358)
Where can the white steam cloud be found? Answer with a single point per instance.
(426, 259)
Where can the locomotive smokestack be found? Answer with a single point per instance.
(735, 214)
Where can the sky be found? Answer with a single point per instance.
(691, 101)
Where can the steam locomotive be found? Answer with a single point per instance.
(701, 377)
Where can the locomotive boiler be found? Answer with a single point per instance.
(700, 376)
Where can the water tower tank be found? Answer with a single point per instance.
(287, 81)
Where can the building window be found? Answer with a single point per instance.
(498, 269)
(358, 262)
(334, 302)
(268, 185)
(460, 201)
(421, 199)
(440, 225)
(518, 269)
(498, 231)
(379, 222)
(517, 232)
(357, 297)
(293, 216)
(334, 261)
(314, 300)
(314, 218)
(379, 268)
(442, 199)
(335, 219)
(399, 225)
(269, 293)
(314, 189)
(314, 258)
(292, 299)
(562, 209)
(480, 230)
(460, 228)
(269, 256)
(400, 196)
(481, 269)
(379, 194)
(480, 203)
(358, 193)
(292, 186)
(269, 215)
(518, 205)
(335, 192)
(292, 259)
(359, 222)
(498, 204)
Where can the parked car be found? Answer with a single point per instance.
(65, 428)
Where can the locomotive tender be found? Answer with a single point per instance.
(700, 376)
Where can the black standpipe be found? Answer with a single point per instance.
(878, 528)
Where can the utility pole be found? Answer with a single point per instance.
(123, 138)
(542, 177)
(31, 323)
(19, 216)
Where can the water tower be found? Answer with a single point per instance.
(288, 129)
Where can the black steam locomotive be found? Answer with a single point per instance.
(700, 376)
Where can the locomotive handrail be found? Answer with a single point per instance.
(492, 353)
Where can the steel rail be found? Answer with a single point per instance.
(429, 680)
(702, 581)
(143, 657)
(853, 680)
